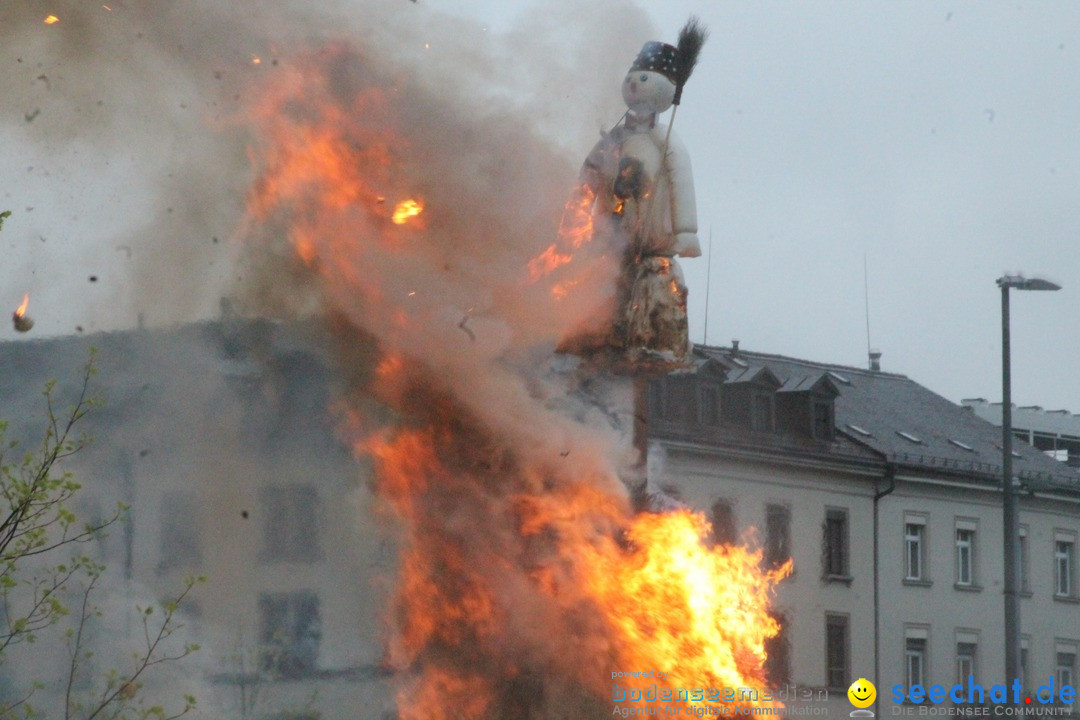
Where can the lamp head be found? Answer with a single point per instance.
(1020, 282)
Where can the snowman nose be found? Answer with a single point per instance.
(633, 86)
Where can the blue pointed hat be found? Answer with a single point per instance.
(658, 57)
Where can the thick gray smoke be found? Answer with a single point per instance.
(126, 164)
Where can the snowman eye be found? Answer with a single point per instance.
(644, 77)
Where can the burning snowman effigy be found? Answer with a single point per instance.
(638, 188)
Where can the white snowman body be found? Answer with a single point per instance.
(645, 205)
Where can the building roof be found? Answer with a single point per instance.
(273, 375)
(809, 383)
(753, 374)
(1029, 417)
(908, 424)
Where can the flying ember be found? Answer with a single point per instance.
(22, 322)
(405, 210)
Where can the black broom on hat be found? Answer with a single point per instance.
(691, 38)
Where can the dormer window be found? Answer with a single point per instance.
(709, 402)
(761, 411)
(805, 406)
(823, 422)
(710, 378)
(750, 399)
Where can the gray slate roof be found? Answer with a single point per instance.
(909, 424)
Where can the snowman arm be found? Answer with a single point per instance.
(596, 168)
(576, 224)
(683, 201)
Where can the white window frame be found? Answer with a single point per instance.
(843, 553)
(777, 520)
(915, 662)
(1065, 672)
(965, 556)
(967, 656)
(1064, 565)
(844, 621)
(915, 547)
(916, 654)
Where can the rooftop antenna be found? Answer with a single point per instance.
(874, 364)
(708, 282)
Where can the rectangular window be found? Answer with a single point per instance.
(823, 420)
(913, 550)
(836, 652)
(710, 404)
(836, 543)
(290, 530)
(965, 661)
(1063, 568)
(915, 661)
(777, 535)
(289, 633)
(762, 412)
(1065, 671)
(965, 556)
(723, 523)
(778, 655)
(179, 532)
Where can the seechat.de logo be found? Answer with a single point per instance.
(977, 693)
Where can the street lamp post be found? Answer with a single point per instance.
(1011, 530)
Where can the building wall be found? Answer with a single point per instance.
(948, 611)
(193, 430)
(941, 610)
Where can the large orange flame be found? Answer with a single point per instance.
(21, 310)
(526, 581)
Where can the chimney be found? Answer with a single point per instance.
(875, 360)
(734, 347)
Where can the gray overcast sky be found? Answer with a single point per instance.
(939, 141)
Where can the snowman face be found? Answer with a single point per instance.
(645, 91)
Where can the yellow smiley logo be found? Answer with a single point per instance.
(862, 693)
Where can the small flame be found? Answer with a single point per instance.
(576, 227)
(20, 319)
(547, 261)
(51, 19)
(407, 209)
